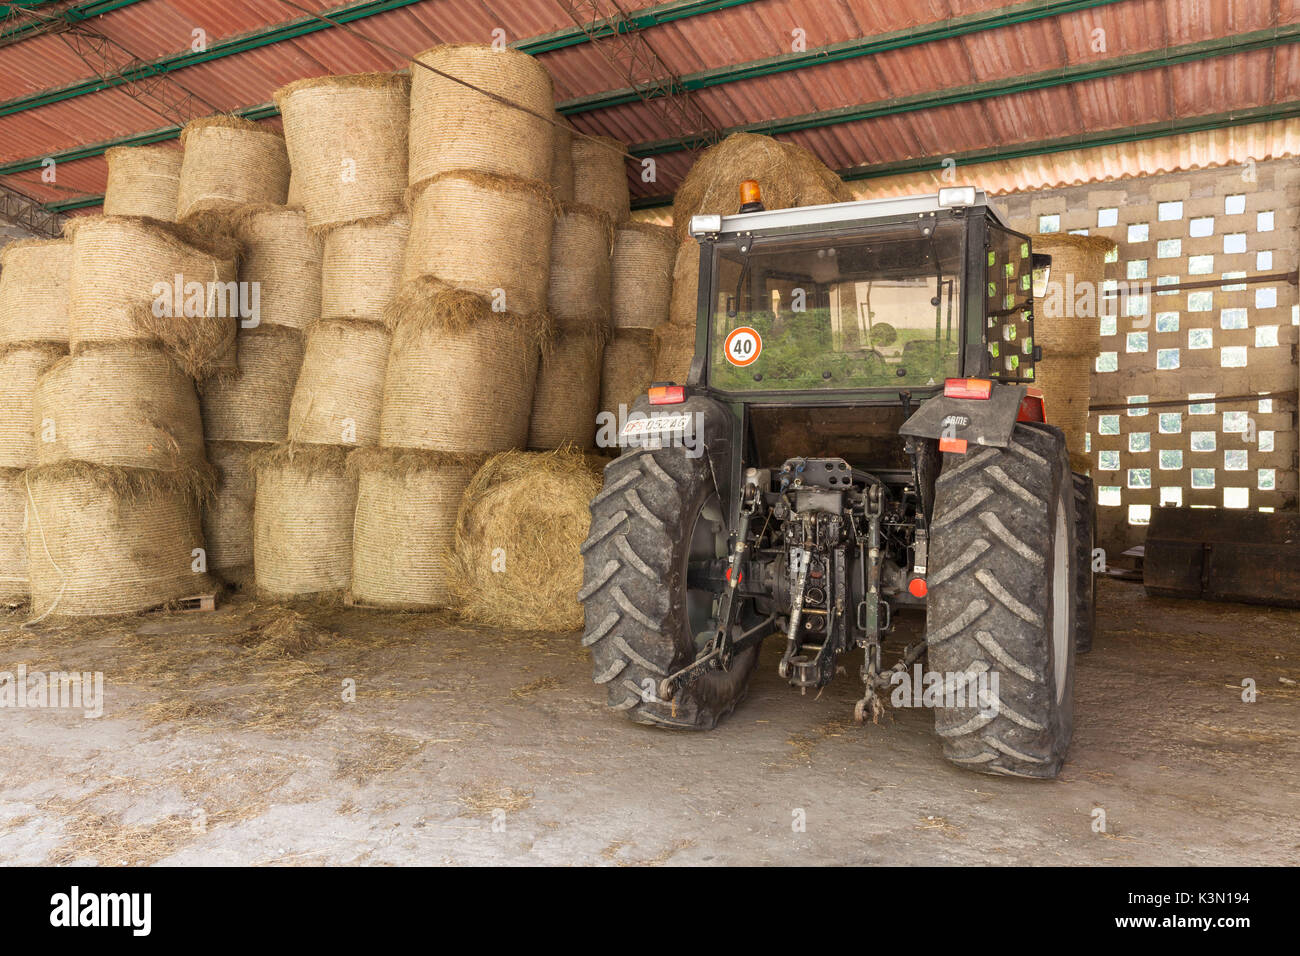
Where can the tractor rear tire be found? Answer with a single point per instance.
(1002, 586)
(638, 620)
(1085, 522)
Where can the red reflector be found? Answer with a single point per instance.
(955, 445)
(917, 587)
(967, 387)
(667, 394)
(739, 579)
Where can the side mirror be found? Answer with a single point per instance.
(1042, 266)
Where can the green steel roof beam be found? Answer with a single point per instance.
(636, 20)
(76, 13)
(1112, 137)
(1100, 69)
(848, 50)
(663, 13)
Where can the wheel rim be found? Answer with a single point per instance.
(708, 542)
(1062, 577)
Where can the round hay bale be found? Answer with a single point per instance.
(340, 389)
(1066, 381)
(642, 275)
(579, 291)
(230, 162)
(135, 280)
(460, 377)
(407, 501)
(282, 263)
(346, 137)
(486, 234)
(228, 513)
(683, 303)
(562, 159)
(34, 291)
(13, 535)
(1066, 319)
(599, 176)
(252, 405)
(106, 540)
(20, 368)
(143, 181)
(788, 176)
(519, 534)
(674, 350)
(627, 369)
(128, 406)
(455, 127)
(361, 268)
(302, 520)
(567, 395)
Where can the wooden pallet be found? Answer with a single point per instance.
(199, 602)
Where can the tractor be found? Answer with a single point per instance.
(858, 437)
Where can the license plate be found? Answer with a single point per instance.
(665, 424)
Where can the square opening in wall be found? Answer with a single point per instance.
(1171, 423)
(1264, 221)
(1139, 477)
(1204, 441)
(1202, 477)
(1200, 265)
(1171, 459)
(1234, 205)
(1166, 321)
(1139, 232)
(1169, 211)
(1049, 223)
(1236, 497)
(1107, 218)
(1266, 479)
(1108, 460)
(1201, 408)
(1265, 336)
(1139, 441)
(1171, 497)
(1109, 496)
(1200, 338)
(1232, 356)
(1235, 459)
(1107, 424)
(1107, 362)
(1232, 318)
(1139, 514)
(1166, 359)
(1201, 227)
(1234, 243)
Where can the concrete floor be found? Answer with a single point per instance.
(225, 739)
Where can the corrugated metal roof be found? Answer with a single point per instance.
(750, 31)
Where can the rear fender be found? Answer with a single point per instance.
(959, 422)
(710, 429)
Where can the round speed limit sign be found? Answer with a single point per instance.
(743, 346)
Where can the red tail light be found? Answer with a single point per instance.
(979, 388)
(918, 588)
(667, 394)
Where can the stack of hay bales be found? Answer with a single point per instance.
(33, 336)
(568, 380)
(118, 468)
(469, 318)
(788, 176)
(346, 229)
(1070, 340)
(248, 407)
(114, 492)
(518, 538)
(642, 272)
(143, 181)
